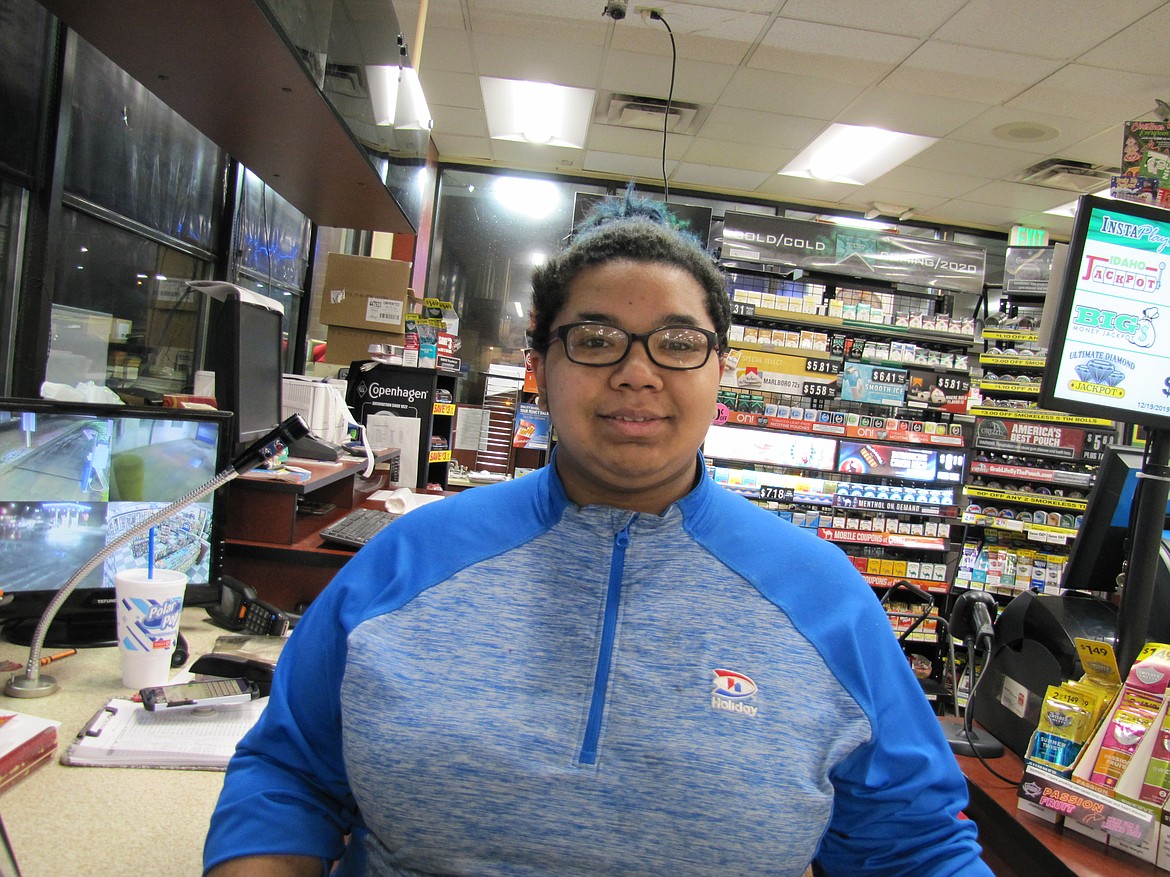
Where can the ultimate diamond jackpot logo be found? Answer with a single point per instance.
(1100, 373)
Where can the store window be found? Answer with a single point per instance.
(24, 36)
(123, 315)
(273, 251)
(131, 154)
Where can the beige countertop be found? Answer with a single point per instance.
(96, 821)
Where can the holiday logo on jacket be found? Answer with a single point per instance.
(731, 692)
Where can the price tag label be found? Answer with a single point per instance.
(742, 309)
(822, 366)
(1098, 660)
(889, 376)
(817, 390)
(953, 384)
(776, 494)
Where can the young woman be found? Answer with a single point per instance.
(610, 666)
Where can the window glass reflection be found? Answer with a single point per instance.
(123, 310)
(132, 154)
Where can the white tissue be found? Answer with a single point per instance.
(85, 392)
(404, 500)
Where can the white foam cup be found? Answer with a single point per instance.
(149, 607)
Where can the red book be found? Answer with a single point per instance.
(26, 742)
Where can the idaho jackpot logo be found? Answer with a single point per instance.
(732, 690)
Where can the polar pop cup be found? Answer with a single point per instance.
(149, 606)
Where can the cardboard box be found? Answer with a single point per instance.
(344, 345)
(365, 293)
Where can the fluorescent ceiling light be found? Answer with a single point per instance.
(382, 80)
(536, 112)
(397, 98)
(855, 154)
(1070, 209)
(535, 199)
(411, 113)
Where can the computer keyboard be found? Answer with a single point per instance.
(358, 527)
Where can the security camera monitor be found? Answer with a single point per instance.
(1108, 353)
(73, 478)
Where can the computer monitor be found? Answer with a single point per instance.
(245, 350)
(1105, 357)
(74, 476)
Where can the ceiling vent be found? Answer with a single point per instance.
(650, 113)
(1068, 175)
(346, 79)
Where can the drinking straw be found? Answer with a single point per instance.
(150, 554)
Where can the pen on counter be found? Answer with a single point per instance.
(49, 659)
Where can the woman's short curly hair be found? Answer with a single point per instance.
(629, 228)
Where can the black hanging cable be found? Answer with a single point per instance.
(657, 16)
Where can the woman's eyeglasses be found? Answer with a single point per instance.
(673, 347)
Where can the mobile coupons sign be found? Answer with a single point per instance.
(1110, 350)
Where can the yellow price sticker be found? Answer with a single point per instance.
(1098, 660)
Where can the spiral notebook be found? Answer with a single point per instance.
(125, 734)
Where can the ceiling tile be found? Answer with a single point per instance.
(803, 189)
(649, 75)
(984, 161)
(960, 212)
(460, 120)
(814, 49)
(443, 49)
(742, 156)
(1084, 92)
(627, 167)
(711, 177)
(635, 141)
(1140, 48)
(982, 129)
(450, 146)
(1056, 29)
(765, 129)
(1019, 195)
(452, 89)
(968, 73)
(925, 181)
(928, 115)
(788, 94)
(1101, 149)
(769, 75)
(915, 18)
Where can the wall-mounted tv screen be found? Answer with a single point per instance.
(1109, 354)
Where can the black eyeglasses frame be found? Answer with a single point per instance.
(562, 331)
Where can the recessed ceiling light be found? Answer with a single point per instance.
(1026, 132)
(536, 112)
(855, 154)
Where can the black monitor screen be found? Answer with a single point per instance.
(1102, 544)
(74, 477)
(245, 351)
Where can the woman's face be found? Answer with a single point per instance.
(627, 434)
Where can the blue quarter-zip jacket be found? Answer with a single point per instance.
(503, 683)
